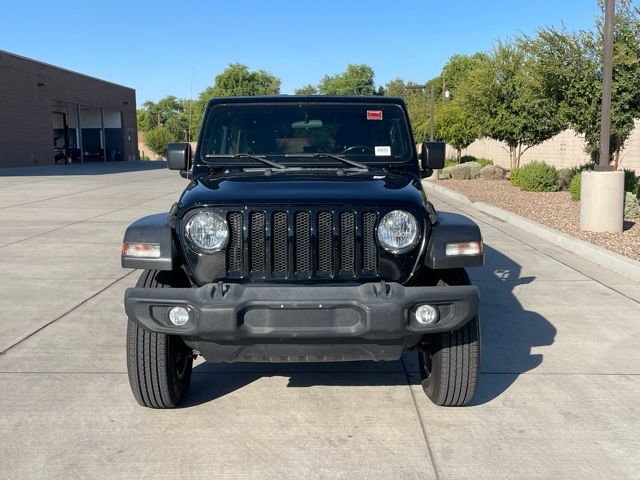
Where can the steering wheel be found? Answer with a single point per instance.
(353, 148)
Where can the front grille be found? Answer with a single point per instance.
(318, 243)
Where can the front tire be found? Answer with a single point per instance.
(450, 361)
(159, 365)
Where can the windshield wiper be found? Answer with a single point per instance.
(353, 163)
(263, 159)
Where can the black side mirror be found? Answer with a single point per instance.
(179, 156)
(432, 157)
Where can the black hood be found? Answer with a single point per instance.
(250, 188)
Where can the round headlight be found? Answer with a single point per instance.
(398, 231)
(207, 231)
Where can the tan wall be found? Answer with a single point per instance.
(564, 150)
(28, 91)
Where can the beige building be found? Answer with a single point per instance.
(564, 150)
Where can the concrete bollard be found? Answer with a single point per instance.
(602, 201)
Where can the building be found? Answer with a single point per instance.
(51, 115)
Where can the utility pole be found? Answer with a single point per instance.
(607, 80)
(602, 190)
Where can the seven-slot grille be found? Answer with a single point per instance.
(302, 244)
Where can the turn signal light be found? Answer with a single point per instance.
(141, 250)
(463, 248)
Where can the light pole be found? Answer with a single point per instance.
(432, 106)
(602, 191)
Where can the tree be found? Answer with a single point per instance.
(455, 125)
(417, 101)
(157, 140)
(307, 90)
(457, 69)
(355, 80)
(571, 66)
(506, 94)
(169, 112)
(238, 80)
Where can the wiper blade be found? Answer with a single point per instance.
(353, 163)
(259, 158)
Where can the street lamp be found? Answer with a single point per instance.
(602, 191)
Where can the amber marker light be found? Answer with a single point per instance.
(141, 250)
(463, 248)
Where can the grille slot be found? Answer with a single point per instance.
(257, 242)
(325, 243)
(347, 242)
(303, 242)
(369, 249)
(280, 244)
(235, 249)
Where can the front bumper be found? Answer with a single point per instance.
(308, 319)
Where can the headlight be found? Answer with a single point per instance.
(207, 231)
(398, 231)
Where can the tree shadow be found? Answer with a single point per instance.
(508, 335)
(79, 169)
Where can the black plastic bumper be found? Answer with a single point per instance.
(262, 322)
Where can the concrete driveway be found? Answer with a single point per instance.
(559, 394)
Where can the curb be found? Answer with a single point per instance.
(601, 256)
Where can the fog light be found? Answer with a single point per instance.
(426, 314)
(463, 248)
(141, 250)
(179, 316)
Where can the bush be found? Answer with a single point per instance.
(450, 162)
(466, 171)
(631, 206)
(565, 175)
(492, 172)
(538, 177)
(514, 176)
(630, 180)
(638, 191)
(484, 161)
(157, 140)
(445, 173)
(467, 158)
(574, 187)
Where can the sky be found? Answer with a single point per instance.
(161, 48)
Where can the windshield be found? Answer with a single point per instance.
(366, 132)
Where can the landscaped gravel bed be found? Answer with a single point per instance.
(554, 209)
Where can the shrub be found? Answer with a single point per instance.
(538, 177)
(450, 162)
(466, 171)
(514, 176)
(445, 173)
(467, 158)
(638, 191)
(484, 161)
(574, 187)
(565, 175)
(492, 172)
(631, 206)
(630, 180)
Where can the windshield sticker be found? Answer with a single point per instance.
(374, 114)
(382, 151)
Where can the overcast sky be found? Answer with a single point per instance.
(160, 48)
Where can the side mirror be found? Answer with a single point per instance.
(432, 157)
(179, 156)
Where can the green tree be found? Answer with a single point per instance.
(307, 90)
(455, 125)
(355, 80)
(171, 113)
(417, 99)
(237, 80)
(571, 66)
(457, 69)
(157, 140)
(506, 94)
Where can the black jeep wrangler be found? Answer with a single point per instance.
(304, 235)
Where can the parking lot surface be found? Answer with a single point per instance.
(558, 395)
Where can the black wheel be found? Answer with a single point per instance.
(450, 361)
(159, 365)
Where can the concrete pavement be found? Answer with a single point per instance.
(557, 398)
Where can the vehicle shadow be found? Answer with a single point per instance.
(79, 169)
(508, 334)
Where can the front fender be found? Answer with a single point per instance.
(452, 228)
(152, 229)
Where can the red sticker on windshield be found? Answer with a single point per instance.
(374, 114)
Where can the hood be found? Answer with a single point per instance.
(371, 188)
